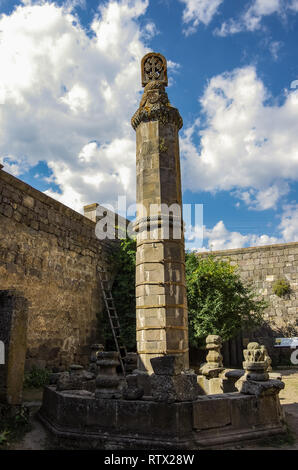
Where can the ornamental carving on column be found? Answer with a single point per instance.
(155, 103)
(154, 68)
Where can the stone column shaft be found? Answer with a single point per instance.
(162, 324)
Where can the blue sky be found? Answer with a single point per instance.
(70, 82)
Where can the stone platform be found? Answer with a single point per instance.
(79, 420)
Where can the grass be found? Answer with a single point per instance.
(279, 440)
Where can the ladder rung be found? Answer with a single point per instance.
(112, 313)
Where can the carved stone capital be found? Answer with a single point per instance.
(155, 106)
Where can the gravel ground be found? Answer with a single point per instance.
(289, 401)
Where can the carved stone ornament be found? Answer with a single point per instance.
(155, 105)
(267, 358)
(213, 366)
(255, 380)
(154, 68)
(255, 365)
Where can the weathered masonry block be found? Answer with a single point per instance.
(13, 333)
(263, 266)
(51, 254)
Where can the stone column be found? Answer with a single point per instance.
(162, 325)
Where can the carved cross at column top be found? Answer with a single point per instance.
(154, 68)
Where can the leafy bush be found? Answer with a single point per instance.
(14, 423)
(281, 287)
(123, 291)
(4, 436)
(36, 378)
(218, 301)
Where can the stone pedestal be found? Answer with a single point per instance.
(108, 383)
(170, 383)
(205, 423)
(132, 390)
(213, 367)
(77, 378)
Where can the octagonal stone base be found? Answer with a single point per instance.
(79, 420)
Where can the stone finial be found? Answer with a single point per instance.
(155, 104)
(95, 350)
(130, 362)
(213, 366)
(267, 358)
(255, 380)
(108, 383)
(154, 68)
(255, 365)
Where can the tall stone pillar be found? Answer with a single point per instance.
(162, 325)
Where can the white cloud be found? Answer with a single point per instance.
(219, 238)
(251, 18)
(103, 171)
(294, 5)
(68, 96)
(264, 198)
(246, 144)
(199, 11)
(274, 48)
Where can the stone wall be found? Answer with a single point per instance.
(263, 265)
(51, 255)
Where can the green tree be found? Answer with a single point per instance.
(218, 301)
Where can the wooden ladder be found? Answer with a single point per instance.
(113, 317)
